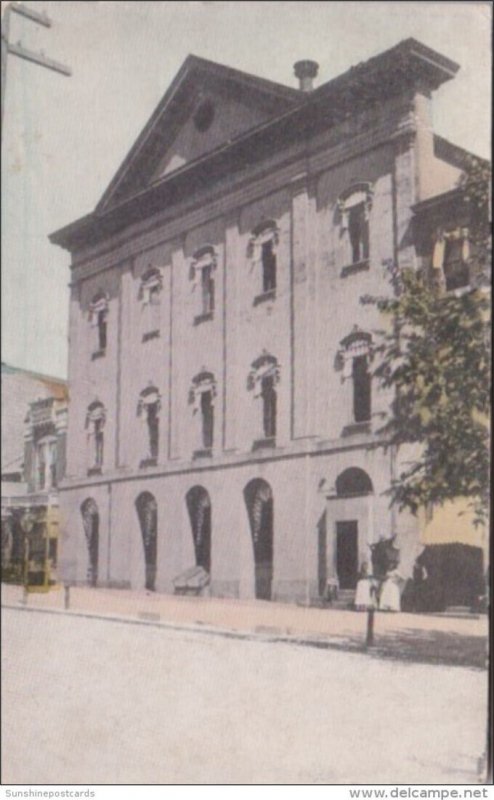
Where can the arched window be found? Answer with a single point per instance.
(262, 380)
(258, 497)
(353, 482)
(147, 512)
(355, 354)
(150, 296)
(354, 207)
(202, 269)
(95, 423)
(202, 396)
(98, 316)
(262, 252)
(90, 521)
(149, 409)
(199, 508)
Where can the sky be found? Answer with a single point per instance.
(64, 138)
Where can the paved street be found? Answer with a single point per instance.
(106, 701)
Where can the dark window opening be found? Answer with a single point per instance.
(259, 501)
(41, 473)
(353, 481)
(268, 395)
(207, 413)
(154, 295)
(268, 257)
(53, 475)
(347, 553)
(456, 272)
(98, 442)
(361, 390)
(207, 288)
(204, 116)
(199, 508)
(153, 423)
(358, 229)
(90, 519)
(147, 512)
(102, 330)
(52, 550)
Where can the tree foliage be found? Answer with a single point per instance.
(435, 355)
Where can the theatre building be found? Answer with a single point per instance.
(222, 408)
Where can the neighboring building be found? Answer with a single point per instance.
(34, 422)
(222, 409)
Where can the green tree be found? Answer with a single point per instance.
(435, 355)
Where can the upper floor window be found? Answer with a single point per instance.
(451, 255)
(263, 379)
(355, 355)
(150, 297)
(95, 424)
(262, 252)
(149, 409)
(354, 208)
(98, 315)
(202, 270)
(202, 396)
(46, 463)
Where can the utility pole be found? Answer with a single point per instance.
(19, 50)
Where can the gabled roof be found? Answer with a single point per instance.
(132, 194)
(162, 124)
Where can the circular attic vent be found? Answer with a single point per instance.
(204, 116)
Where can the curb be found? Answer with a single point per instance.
(336, 643)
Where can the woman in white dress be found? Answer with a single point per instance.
(389, 599)
(364, 596)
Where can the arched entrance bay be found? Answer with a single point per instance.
(90, 521)
(199, 508)
(147, 512)
(259, 501)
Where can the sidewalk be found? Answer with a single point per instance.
(413, 637)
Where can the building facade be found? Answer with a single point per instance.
(222, 408)
(34, 425)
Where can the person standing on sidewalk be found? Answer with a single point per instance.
(366, 590)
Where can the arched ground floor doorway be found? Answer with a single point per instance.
(259, 501)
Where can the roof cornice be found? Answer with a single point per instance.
(409, 64)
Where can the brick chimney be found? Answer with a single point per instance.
(305, 71)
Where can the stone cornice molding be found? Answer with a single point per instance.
(172, 230)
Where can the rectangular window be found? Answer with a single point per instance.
(102, 330)
(269, 407)
(207, 413)
(456, 272)
(153, 429)
(361, 390)
(41, 467)
(98, 442)
(268, 258)
(358, 229)
(207, 289)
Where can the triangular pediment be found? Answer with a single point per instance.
(207, 106)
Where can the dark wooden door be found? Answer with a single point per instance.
(347, 553)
